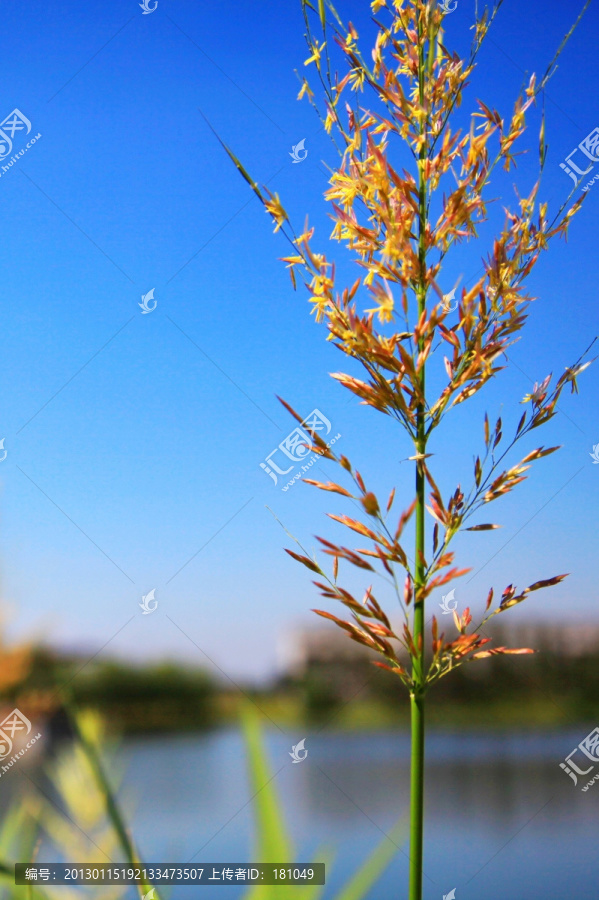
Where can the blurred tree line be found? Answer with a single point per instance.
(130, 698)
(340, 689)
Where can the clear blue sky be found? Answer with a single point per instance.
(133, 441)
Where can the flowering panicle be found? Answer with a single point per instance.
(408, 188)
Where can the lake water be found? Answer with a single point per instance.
(504, 822)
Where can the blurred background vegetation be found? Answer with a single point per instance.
(330, 682)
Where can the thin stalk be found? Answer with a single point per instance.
(416, 795)
(417, 695)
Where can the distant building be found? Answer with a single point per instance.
(303, 649)
(566, 640)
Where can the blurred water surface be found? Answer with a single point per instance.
(503, 820)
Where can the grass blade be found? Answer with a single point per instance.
(374, 865)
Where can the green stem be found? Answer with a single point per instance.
(418, 672)
(417, 695)
(416, 796)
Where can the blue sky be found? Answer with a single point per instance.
(134, 441)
